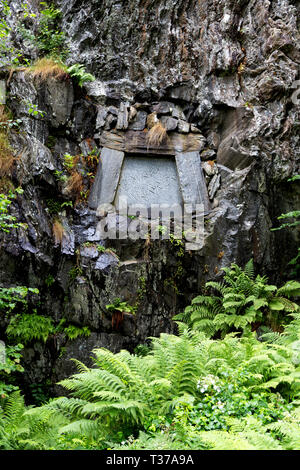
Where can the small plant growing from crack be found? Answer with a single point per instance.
(117, 310)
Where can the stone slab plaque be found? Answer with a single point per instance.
(191, 179)
(149, 180)
(2, 92)
(107, 178)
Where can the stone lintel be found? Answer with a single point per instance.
(136, 142)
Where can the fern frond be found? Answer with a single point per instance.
(249, 269)
(290, 289)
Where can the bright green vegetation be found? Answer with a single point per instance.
(77, 71)
(118, 306)
(9, 367)
(49, 40)
(188, 392)
(244, 303)
(7, 221)
(29, 327)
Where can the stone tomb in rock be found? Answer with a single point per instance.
(146, 176)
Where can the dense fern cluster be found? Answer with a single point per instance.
(171, 398)
(243, 303)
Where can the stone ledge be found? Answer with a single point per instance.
(136, 142)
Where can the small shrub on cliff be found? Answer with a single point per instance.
(8, 221)
(9, 364)
(73, 332)
(49, 39)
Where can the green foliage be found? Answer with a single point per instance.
(14, 296)
(9, 364)
(101, 248)
(188, 392)
(49, 280)
(27, 429)
(60, 176)
(56, 207)
(75, 272)
(34, 111)
(187, 388)
(39, 392)
(69, 161)
(9, 55)
(288, 215)
(10, 124)
(77, 71)
(227, 395)
(74, 332)
(49, 39)
(243, 301)
(30, 327)
(7, 221)
(120, 306)
(141, 350)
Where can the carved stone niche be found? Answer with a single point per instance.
(170, 173)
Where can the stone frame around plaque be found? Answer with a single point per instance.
(189, 171)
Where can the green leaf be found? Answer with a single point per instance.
(275, 304)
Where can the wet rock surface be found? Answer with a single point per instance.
(218, 75)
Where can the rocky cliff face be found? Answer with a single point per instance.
(219, 75)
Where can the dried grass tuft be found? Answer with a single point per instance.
(7, 158)
(75, 184)
(58, 232)
(157, 134)
(46, 68)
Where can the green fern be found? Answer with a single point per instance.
(77, 71)
(29, 327)
(243, 303)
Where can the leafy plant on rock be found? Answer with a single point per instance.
(117, 310)
(8, 221)
(49, 39)
(30, 327)
(77, 71)
(10, 363)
